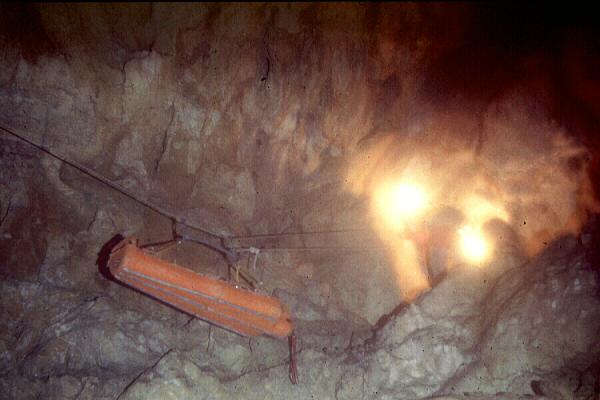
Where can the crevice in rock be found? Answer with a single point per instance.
(164, 141)
(138, 376)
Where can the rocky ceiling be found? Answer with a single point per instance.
(275, 126)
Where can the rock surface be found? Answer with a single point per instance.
(457, 340)
(279, 119)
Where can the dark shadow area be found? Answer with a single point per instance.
(491, 51)
(552, 50)
(21, 26)
(104, 255)
(590, 240)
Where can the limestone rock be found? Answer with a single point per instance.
(260, 119)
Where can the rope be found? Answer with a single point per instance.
(90, 172)
(303, 248)
(228, 251)
(310, 248)
(273, 235)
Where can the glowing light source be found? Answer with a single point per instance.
(474, 246)
(400, 203)
(408, 200)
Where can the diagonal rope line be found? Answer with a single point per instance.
(282, 234)
(313, 248)
(90, 172)
(181, 220)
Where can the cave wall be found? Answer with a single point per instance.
(246, 120)
(242, 118)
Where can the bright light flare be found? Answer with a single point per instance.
(408, 200)
(398, 204)
(475, 248)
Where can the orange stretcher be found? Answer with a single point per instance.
(215, 301)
